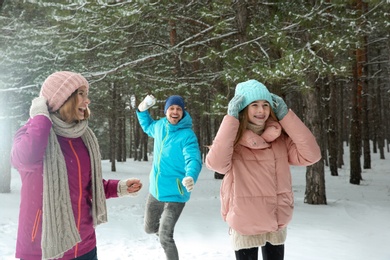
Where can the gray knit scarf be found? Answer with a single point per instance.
(257, 129)
(59, 231)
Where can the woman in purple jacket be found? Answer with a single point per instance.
(63, 195)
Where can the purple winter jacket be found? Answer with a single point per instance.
(27, 155)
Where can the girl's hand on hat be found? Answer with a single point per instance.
(234, 106)
(280, 107)
(39, 107)
(147, 103)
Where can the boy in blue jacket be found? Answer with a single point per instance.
(176, 167)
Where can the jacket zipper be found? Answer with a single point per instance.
(80, 194)
(36, 225)
(159, 158)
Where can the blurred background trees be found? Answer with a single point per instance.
(328, 59)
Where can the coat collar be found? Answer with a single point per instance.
(253, 141)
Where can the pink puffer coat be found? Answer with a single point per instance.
(256, 192)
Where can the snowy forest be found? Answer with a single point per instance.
(329, 59)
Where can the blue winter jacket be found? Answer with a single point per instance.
(176, 155)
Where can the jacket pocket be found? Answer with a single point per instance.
(180, 186)
(226, 194)
(37, 222)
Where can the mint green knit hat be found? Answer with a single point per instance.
(253, 90)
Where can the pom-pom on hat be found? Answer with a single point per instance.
(59, 86)
(253, 90)
(174, 100)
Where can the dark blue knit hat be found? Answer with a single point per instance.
(174, 100)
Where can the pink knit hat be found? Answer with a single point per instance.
(59, 86)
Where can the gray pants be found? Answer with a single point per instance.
(160, 219)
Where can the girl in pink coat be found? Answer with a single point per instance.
(255, 145)
(63, 194)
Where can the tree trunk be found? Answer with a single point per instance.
(359, 75)
(173, 40)
(137, 140)
(373, 115)
(365, 109)
(379, 127)
(5, 151)
(120, 143)
(332, 127)
(315, 177)
(121, 133)
(355, 136)
(145, 139)
(124, 139)
(241, 18)
(341, 126)
(385, 101)
(131, 133)
(324, 110)
(113, 123)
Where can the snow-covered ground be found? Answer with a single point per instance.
(353, 226)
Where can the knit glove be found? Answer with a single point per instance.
(280, 107)
(235, 105)
(39, 107)
(188, 182)
(147, 103)
(129, 187)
